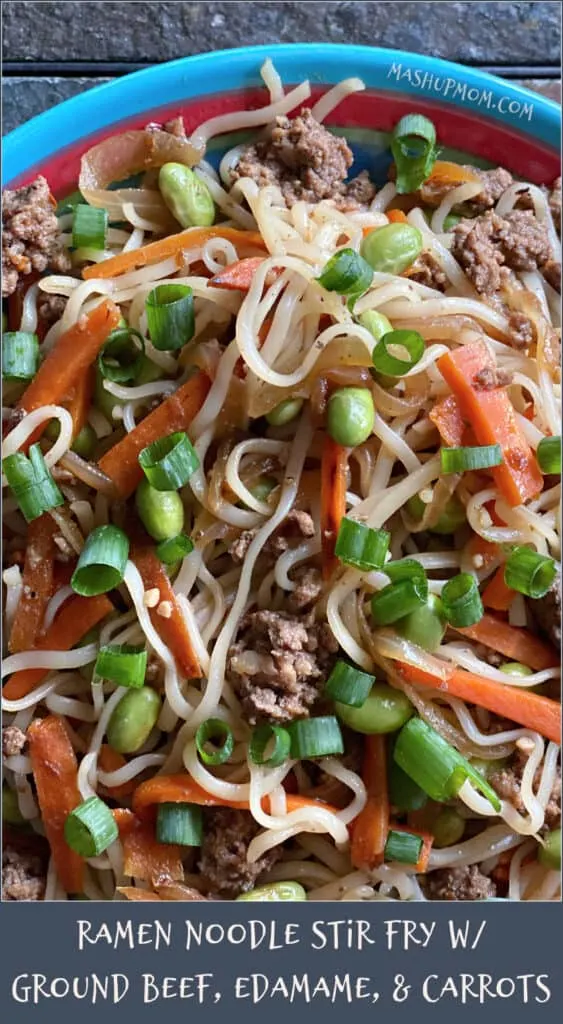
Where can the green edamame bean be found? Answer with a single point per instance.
(424, 626)
(161, 512)
(263, 487)
(450, 221)
(376, 323)
(186, 196)
(350, 416)
(275, 892)
(550, 854)
(85, 441)
(448, 827)
(384, 710)
(486, 768)
(285, 412)
(11, 813)
(450, 519)
(392, 248)
(515, 668)
(133, 719)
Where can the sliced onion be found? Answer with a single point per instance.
(88, 474)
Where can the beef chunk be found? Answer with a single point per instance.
(23, 876)
(494, 182)
(296, 526)
(521, 330)
(546, 612)
(30, 234)
(464, 883)
(279, 664)
(507, 782)
(308, 588)
(51, 307)
(555, 203)
(306, 162)
(486, 245)
(426, 270)
(227, 835)
(13, 741)
(490, 378)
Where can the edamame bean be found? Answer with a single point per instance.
(384, 710)
(550, 854)
(376, 323)
(186, 196)
(515, 668)
(448, 827)
(392, 248)
(425, 626)
(275, 892)
(263, 487)
(11, 813)
(350, 416)
(133, 719)
(285, 412)
(452, 517)
(450, 221)
(486, 768)
(161, 512)
(85, 441)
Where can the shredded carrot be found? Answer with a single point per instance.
(80, 401)
(427, 840)
(371, 827)
(172, 630)
(38, 584)
(446, 172)
(143, 856)
(497, 595)
(484, 553)
(446, 417)
(514, 642)
(513, 702)
(182, 789)
(493, 420)
(77, 616)
(110, 761)
(120, 463)
(238, 276)
(172, 245)
(55, 772)
(396, 216)
(334, 462)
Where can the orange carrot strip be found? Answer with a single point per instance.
(143, 856)
(38, 584)
(497, 595)
(426, 848)
(396, 216)
(176, 413)
(238, 276)
(518, 705)
(77, 616)
(485, 551)
(110, 761)
(514, 642)
(79, 404)
(493, 420)
(55, 772)
(371, 827)
(446, 172)
(183, 789)
(446, 417)
(334, 462)
(172, 630)
(173, 245)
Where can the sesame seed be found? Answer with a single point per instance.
(151, 597)
(477, 561)
(164, 609)
(525, 744)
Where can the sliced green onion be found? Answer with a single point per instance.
(174, 549)
(181, 824)
(348, 274)
(391, 364)
(360, 546)
(458, 460)
(170, 316)
(212, 732)
(395, 601)
(89, 227)
(121, 358)
(69, 203)
(122, 664)
(413, 145)
(315, 737)
(403, 847)
(461, 601)
(376, 323)
(20, 355)
(529, 573)
(549, 455)
(90, 828)
(348, 685)
(437, 767)
(404, 793)
(102, 562)
(169, 462)
(273, 738)
(407, 569)
(31, 483)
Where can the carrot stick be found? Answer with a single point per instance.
(173, 245)
(514, 642)
(77, 616)
(238, 276)
(110, 761)
(426, 848)
(518, 705)
(483, 552)
(79, 403)
(55, 773)
(183, 789)
(70, 358)
(497, 595)
(176, 413)
(446, 416)
(37, 584)
(372, 824)
(334, 461)
(172, 630)
(143, 856)
(492, 418)
(396, 216)
(446, 172)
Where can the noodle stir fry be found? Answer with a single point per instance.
(281, 467)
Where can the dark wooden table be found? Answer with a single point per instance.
(54, 50)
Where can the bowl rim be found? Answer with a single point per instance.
(113, 102)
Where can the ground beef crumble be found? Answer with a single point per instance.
(308, 588)
(426, 270)
(23, 876)
(487, 244)
(464, 883)
(50, 308)
(296, 526)
(306, 162)
(30, 234)
(13, 740)
(507, 781)
(546, 612)
(490, 378)
(555, 203)
(279, 664)
(227, 834)
(494, 182)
